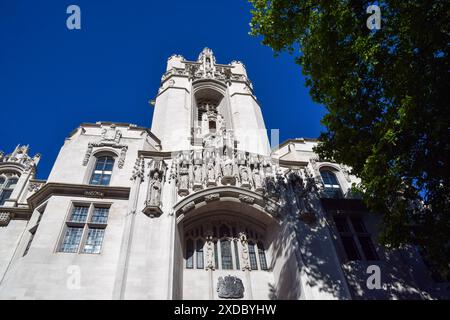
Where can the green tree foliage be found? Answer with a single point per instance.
(386, 93)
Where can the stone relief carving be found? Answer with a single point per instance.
(110, 137)
(209, 167)
(230, 287)
(35, 186)
(246, 199)
(5, 217)
(188, 207)
(138, 169)
(212, 197)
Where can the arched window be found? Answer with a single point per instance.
(102, 171)
(262, 256)
(7, 186)
(332, 187)
(199, 254)
(252, 256)
(189, 254)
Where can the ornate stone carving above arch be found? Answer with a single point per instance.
(229, 198)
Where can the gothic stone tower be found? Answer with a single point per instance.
(198, 207)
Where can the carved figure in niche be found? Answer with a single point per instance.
(257, 179)
(155, 190)
(228, 167)
(211, 171)
(184, 178)
(197, 174)
(244, 174)
(209, 253)
(271, 188)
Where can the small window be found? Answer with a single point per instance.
(236, 255)
(79, 214)
(7, 186)
(252, 256)
(262, 256)
(199, 254)
(356, 241)
(94, 240)
(102, 171)
(71, 239)
(189, 254)
(331, 184)
(100, 215)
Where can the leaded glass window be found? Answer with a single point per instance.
(199, 254)
(79, 214)
(71, 239)
(100, 215)
(225, 250)
(94, 240)
(189, 254)
(7, 186)
(252, 256)
(236, 255)
(262, 256)
(102, 171)
(85, 229)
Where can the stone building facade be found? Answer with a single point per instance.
(197, 207)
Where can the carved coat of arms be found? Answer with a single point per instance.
(230, 287)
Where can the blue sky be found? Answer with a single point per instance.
(52, 79)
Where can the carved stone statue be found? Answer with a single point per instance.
(183, 182)
(155, 190)
(228, 167)
(209, 253)
(257, 180)
(245, 178)
(197, 174)
(211, 172)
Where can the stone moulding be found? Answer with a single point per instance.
(77, 190)
(227, 193)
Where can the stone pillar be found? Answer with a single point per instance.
(124, 255)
